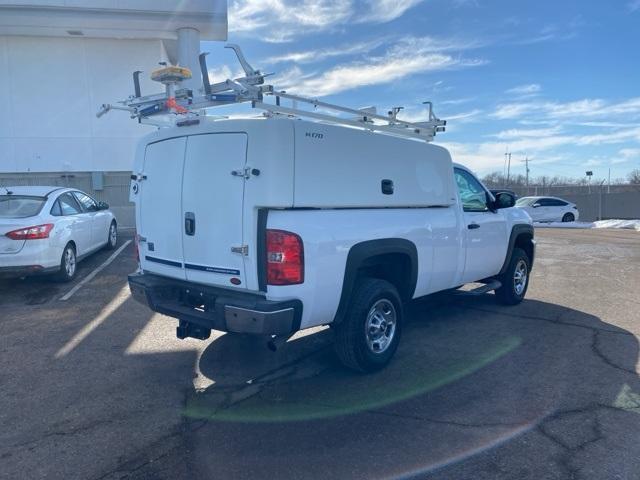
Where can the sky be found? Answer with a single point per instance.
(557, 81)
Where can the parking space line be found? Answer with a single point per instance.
(85, 331)
(97, 270)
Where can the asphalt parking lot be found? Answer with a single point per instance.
(96, 387)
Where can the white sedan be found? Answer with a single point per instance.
(49, 229)
(548, 209)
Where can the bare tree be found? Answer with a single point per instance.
(634, 177)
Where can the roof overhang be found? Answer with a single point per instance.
(132, 19)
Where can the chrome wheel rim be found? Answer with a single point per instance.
(520, 277)
(70, 262)
(113, 235)
(380, 327)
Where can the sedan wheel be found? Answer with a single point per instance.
(112, 240)
(68, 264)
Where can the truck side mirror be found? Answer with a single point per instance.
(504, 200)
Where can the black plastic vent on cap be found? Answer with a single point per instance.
(387, 186)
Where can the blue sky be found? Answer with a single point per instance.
(557, 81)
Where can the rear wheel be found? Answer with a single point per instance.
(568, 217)
(368, 336)
(68, 264)
(515, 280)
(112, 240)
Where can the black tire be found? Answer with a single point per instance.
(67, 271)
(511, 293)
(568, 217)
(352, 339)
(112, 237)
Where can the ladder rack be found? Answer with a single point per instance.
(188, 107)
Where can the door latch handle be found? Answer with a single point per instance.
(473, 226)
(190, 223)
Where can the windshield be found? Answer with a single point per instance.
(523, 201)
(20, 206)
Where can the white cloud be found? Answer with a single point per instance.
(629, 153)
(529, 89)
(418, 45)
(280, 20)
(633, 5)
(579, 110)
(308, 56)
(490, 155)
(531, 132)
(220, 73)
(382, 11)
(407, 57)
(620, 136)
(385, 69)
(283, 20)
(464, 117)
(456, 101)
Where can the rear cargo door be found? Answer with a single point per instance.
(212, 204)
(160, 210)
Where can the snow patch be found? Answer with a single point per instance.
(626, 224)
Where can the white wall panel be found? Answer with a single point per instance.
(50, 92)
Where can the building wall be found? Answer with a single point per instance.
(594, 202)
(594, 206)
(50, 90)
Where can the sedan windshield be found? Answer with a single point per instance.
(20, 206)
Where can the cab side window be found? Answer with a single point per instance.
(68, 205)
(472, 193)
(88, 203)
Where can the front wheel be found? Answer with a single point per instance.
(112, 239)
(515, 280)
(568, 217)
(368, 336)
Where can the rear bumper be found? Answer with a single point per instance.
(25, 271)
(216, 308)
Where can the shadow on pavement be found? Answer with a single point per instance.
(469, 376)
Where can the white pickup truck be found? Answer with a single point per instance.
(272, 225)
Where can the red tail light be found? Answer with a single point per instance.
(31, 233)
(285, 258)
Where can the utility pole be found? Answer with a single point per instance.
(526, 166)
(509, 168)
(504, 168)
(609, 184)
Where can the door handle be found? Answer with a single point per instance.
(473, 226)
(190, 223)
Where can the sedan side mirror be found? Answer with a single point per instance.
(535, 205)
(103, 206)
(504, 200)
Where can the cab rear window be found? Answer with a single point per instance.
(20, 206)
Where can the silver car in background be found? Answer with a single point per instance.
(50, 229)
(549, 209)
